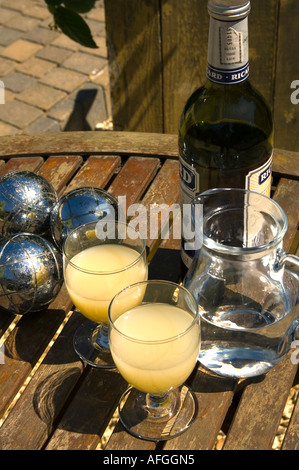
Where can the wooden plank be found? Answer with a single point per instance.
(136, 174)
(214, 395)
(287, 197)
(26, 343)
(286, 113)
(90, 143)
(118, 143)
(95, 172)
(185, 27)
(163, 193)
(31, 420)
(286, 163)
(262, 23)
(133, 41)
(59, 170)
(291, 439)
(89, 413)
(260, 409)
(120, 439)
(18, 164)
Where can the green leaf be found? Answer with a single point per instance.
(73, 26)
(80, 6)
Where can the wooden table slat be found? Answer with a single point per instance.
(17, 164)
(134, 178)
(259, 412)
(59, 170)
(291, 441)
(96, 171)
(25, 345)
(30, 422)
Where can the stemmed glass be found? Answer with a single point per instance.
(155, 345)
(98, 262)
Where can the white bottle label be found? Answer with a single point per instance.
(228, 51)
(231, 46)
(260, 180)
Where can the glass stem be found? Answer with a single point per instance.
(161, 406)
(100, 336)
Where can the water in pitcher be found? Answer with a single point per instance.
(242, 343)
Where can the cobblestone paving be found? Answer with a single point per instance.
(51, 83)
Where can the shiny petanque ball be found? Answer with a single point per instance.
(31, 273)
(79, 207)
(26, 202)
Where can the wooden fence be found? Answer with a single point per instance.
(158, 54)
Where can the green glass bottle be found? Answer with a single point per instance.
(226, 127)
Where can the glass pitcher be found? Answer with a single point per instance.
(244, 289)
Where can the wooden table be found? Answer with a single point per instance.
(49, 399)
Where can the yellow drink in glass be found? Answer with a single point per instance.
(97, 273)
(146, 356)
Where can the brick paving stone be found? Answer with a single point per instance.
(41, 35)
(84, 63)
(97, 28)
(54, 54)
(22, 22)
(43, 124)
(18, 4)
(38, 11)
(9, 96)
(62, 110)
(101, 50)
(64, 79)
(65, 42)
(52, 83)
(17, 82)
(20, 50)
(6, 129)
(96, 14)
(6, 66)
(8, 35)
(41, 96)
(19, 114)
(35, 67)
(6, 14)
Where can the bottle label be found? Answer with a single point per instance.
(189, 182)
(228, 51)
(260, 180)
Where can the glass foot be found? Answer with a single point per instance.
(92, 346)
(158, 418)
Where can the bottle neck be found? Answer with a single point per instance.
(228, 51)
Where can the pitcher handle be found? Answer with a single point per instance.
(286, 259)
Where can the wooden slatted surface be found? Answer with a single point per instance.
(68, 405)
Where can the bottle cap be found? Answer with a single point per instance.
(228, 9)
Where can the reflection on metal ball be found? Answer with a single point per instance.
(30, 273)
(78, 207)
(26, 202)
